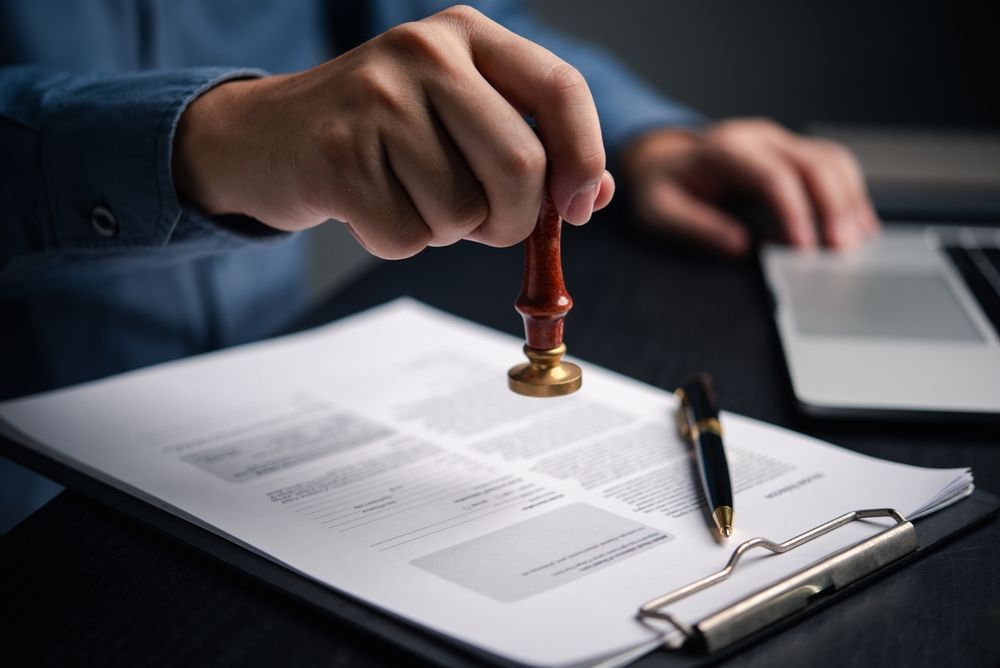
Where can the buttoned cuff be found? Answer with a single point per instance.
(106, 156)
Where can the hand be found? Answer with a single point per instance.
(414, 139)
(814, 188)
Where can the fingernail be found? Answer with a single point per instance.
(581, 207)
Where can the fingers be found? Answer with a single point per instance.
(501, 150)
(379, 212)
(447, 195)
(832, 198)
(421, 137)
(814, 187)
(675, 211)
(853, 176)
(760, 169)
(556, 95)
(836, 188)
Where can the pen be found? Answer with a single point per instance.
(698, 421)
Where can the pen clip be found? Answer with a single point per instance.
(697, 412)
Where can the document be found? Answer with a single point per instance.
(383, 456)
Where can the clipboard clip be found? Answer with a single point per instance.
(788, 596)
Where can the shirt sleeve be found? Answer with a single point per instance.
(627, 105)
(87, 171)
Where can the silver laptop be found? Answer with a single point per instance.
(908, 323)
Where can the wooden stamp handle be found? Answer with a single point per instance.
(544, 302)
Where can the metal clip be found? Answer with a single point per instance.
(791, 594)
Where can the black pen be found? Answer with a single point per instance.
(698, 421)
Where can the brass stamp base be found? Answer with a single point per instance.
(545, 374)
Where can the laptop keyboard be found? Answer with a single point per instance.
(980, 268)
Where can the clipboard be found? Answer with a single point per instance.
(709, 640)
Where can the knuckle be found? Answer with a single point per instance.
(764, 125)
(418, 41)
(379, 89)
(817, 170)
(727, 133)
(470, 215)
(840, 153)
(335, 140)
(564, 79)
(409, 238)
(462, 16)
(592, 166)
(413, 36)
(524, 162)
(744, 131)
(506, 234)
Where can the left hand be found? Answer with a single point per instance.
(680, 181)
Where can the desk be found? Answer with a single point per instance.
(81, 583)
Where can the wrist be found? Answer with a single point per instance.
(206, 149)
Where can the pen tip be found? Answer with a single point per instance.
(723, 517)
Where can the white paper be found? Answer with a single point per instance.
(385, 457)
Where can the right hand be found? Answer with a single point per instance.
(415, 138)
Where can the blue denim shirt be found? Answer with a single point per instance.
(102, 269)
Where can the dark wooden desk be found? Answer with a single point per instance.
(83, 584)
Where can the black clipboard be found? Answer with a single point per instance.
(930, 532)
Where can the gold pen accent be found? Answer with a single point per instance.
(698, 420)
(706, 426)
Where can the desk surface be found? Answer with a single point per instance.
(83, 584)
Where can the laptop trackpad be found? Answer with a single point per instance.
(875, 303)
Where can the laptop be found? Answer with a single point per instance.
(908, 324)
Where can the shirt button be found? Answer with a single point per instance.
(103, 221)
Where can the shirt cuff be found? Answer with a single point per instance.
(106, 155)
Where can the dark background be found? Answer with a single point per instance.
(800, 61)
